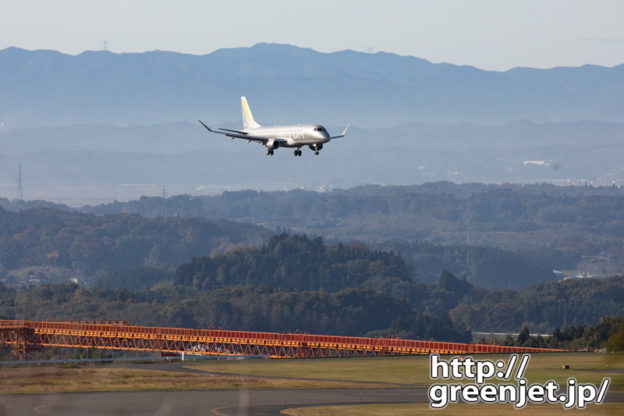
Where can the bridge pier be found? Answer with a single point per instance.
(21, 339)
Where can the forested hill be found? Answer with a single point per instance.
(309, 264)
(326, 288)
(68, 243)
(485, 267)
(543, 307)
(347, 312)
(294, 262)
(299, 263)
(44, 244)
(394, 307)
(441, 200)
(570, 228)
(290, 283)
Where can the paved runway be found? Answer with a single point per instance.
(260, 402)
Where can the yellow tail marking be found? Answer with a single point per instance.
(249, 116)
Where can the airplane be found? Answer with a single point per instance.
(274, 137)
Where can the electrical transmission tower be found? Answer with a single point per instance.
(20, 191)
(163, 212)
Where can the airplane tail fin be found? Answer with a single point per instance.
(248, 120)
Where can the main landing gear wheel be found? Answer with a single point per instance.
(298, 152)
(270, 152)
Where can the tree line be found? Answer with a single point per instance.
(607, 334)
(295, 282)
(83, 244)
(553, 227)
(49, 244)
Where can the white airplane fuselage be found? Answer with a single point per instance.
(293, 135)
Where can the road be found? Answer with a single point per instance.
(256, 402)
(259, 402)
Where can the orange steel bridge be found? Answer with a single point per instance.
(25, 336)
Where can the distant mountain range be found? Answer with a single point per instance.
(289, 84)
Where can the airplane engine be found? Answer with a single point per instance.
(272, 144)
(316, 147)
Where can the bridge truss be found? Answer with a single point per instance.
(26, 336)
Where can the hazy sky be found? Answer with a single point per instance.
(490, 34)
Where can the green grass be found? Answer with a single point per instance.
(27, 380)
(607, 409)
(406, 370)
(585, 367)
(318, 373)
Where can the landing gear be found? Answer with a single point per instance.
(298, 152)
(269, 152)
(316, 148)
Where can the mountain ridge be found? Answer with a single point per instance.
(286, 83)
(270, 46)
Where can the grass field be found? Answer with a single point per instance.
(607, 409)
(585, 367)
(58, 380)
(326, 373)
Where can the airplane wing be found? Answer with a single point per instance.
(235, 134)
(233, 131)
(344, 133)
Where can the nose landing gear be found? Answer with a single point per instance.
(298, 152)
(316, 147)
